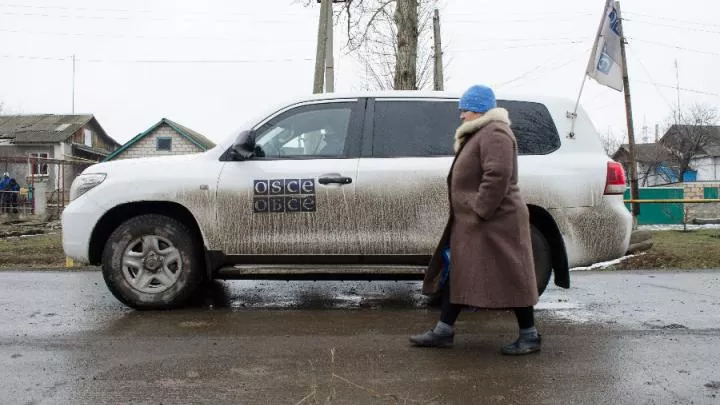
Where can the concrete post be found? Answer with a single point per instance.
(40, 195)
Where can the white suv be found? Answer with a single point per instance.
(335, 186)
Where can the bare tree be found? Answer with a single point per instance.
(610, 142)
(392, 39)
(690, 132)
(655, 162)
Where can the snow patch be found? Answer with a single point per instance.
(676, 227)
(604, 265)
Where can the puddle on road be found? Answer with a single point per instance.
(242, 295)
(301, 295)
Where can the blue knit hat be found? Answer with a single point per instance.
(478, 99)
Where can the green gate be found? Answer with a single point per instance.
(659, 214)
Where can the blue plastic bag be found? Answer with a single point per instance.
(445, 274)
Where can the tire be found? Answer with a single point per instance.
(542, 257)
(152, 262)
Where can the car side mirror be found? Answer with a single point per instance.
(244, 147)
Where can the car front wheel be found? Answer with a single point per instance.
(152, 262)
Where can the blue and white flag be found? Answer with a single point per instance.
(605, 65)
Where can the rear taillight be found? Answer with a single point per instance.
(615, 182)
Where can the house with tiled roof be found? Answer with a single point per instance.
(166, 137)
(51, 148)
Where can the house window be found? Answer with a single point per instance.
(164, 144)
(38, 167)
(88, 137)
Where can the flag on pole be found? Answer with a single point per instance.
(605, 65)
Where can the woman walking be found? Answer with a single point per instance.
(486, 246)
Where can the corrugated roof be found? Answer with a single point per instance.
(649, 152)
(711, 144)
(44, 128)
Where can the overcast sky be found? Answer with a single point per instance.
(210, 65)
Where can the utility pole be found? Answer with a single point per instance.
(329, 52)
(634, 190)
(439, 79)
(73, 84)
(320, 56)
(677, 87)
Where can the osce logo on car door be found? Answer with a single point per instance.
(284, 195)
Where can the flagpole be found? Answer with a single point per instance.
(634, 190)
(573, 115)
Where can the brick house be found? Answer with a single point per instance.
(164, 138)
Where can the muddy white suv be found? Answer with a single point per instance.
(335, 186)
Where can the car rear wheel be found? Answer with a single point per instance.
(152, 262)
(542, 257)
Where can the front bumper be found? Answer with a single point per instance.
(78, 222)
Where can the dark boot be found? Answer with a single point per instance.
(524, 345)
(432, 339)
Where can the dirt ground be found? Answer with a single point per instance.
(620, 337)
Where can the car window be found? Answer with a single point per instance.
(533, 127)
(320, 130)
(414, 128)
(427, 128)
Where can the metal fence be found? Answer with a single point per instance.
(37, 178)
(676, 205)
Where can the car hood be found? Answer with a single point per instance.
(144, 165)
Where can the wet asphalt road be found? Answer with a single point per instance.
(615, 337)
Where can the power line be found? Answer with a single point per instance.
(531, 13)
(495, 40)
(674, 20)
(132, 19)
(675, 47)
(520, 46)
(124, 10)
(647, 73)
(681, 88)
(541, 67)
(157, 61)
(673, 26)
(116, 36)
(497, 21)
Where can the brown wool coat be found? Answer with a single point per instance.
(488, 228)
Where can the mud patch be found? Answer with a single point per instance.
(672, 326)
(194, 324)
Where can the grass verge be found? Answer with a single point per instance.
(37, 251)
(697, 249)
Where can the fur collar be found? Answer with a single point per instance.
(467, 129)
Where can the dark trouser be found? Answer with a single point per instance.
(449, 312)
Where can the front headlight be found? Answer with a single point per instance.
(84, 183)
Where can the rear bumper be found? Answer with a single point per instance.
(595, 234)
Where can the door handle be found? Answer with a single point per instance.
(334, 180)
